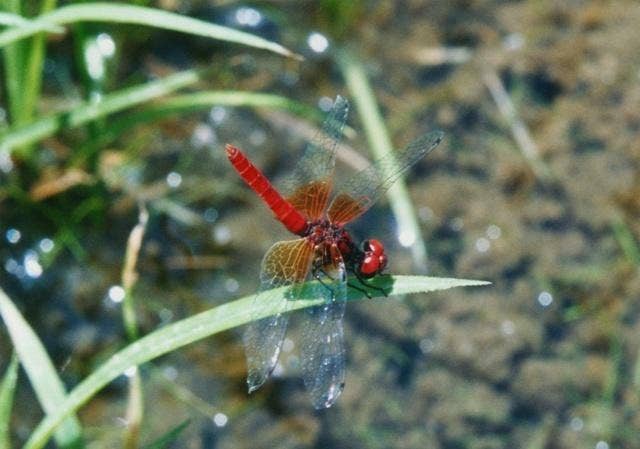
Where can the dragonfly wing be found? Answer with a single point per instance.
(323, 365)
(309, 185)
(286, 263)
(358, 194)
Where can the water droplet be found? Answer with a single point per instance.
(220, 419)
(494, 232)
(545, 299)
(483, 245)
(13, 236)
(116, 293)
(46, 245)
(131, 371)
(602, 445)
(317, 42)
(174, 179)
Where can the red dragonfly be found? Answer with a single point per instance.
(323, 251)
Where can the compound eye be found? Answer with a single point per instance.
(370, 266)
(373, 246)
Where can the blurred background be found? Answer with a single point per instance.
(535, 189)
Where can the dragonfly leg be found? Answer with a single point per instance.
(317, 272)
(368, 285)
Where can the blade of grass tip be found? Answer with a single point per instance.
(135, 402)
(7, 390)
(39, 368)
(130, 275)
(18, 137)
(380, 144)
(139, 15)
(205, 324)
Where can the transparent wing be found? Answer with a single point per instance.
(323, 365)
(309, 185)
(358, 194)
(285, 263)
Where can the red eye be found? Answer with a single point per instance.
(370, 266)
(373, 246)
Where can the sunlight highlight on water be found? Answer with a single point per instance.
(317, 42)
(32, 266)
(545, 299)
(220, 419)
(116, 294)
(13, 236)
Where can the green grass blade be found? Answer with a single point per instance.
(187, 103)
(168, 437)
(138, 15)
(9, 19)
(126, 98)
(42, 375)
(7, 390)
(381, 146)
(205, 324)
(33, 69)
(13, 58)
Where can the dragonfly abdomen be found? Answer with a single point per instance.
(284, 211)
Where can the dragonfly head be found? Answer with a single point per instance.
(374, 260)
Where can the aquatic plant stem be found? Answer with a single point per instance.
(380, 144)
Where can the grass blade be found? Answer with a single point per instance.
(168, 437)
(381, 146)
(7, 390)
(186, 103)
(138, 15)
(126, 98)
(205, 324)
(42, 375)
(9, 19)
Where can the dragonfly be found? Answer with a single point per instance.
(323, 251)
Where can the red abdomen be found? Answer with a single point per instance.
(284, 211)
